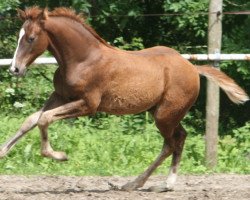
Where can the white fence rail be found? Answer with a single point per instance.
(211, 57)
(40, 60)
(217, 57)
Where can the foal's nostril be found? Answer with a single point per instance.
(16, 70)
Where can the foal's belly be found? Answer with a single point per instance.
(120, 105)
(131, 98)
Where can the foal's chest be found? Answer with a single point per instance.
(69, 88)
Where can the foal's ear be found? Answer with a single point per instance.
(44, 14)
(21, 14)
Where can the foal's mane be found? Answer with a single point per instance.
(34, 13)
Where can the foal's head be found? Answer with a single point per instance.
(32, 41)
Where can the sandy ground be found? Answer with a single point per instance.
(219, 187)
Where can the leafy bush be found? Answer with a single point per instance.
(234, 151)
(38, 86)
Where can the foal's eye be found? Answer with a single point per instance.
(30, 39)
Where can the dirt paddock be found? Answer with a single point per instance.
(230, 187)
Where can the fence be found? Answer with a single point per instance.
(199, 57)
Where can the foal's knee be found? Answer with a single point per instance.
(43, 121)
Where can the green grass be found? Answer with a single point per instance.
(113, 145)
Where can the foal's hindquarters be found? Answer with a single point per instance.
(180, 93)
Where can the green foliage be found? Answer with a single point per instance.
(193, 160)
(136, 44)
(38, 86)
(8, 27)
(234, 151)
(81, 5)
(114, 146)
(190, 23)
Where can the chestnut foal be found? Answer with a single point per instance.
(95, 77)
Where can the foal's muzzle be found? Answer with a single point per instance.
(17, 71)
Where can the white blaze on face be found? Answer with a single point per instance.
(21, 34)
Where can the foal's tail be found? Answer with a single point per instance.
(233, 91)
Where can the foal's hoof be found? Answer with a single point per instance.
(61, 156)
(57, 155)
(130, 186)
(3, 153)
(160, 188)
(127, 187)
(113, 187)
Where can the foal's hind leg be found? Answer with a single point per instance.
(140, 180)
(169, 147)
(179, 137)
(167, 130)
(167, 117)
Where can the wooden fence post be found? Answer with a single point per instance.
(212, 102)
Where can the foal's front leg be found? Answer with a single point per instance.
(28, 124)
(69, 110)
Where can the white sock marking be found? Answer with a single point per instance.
(171, 179)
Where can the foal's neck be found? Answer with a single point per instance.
(71, 43)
